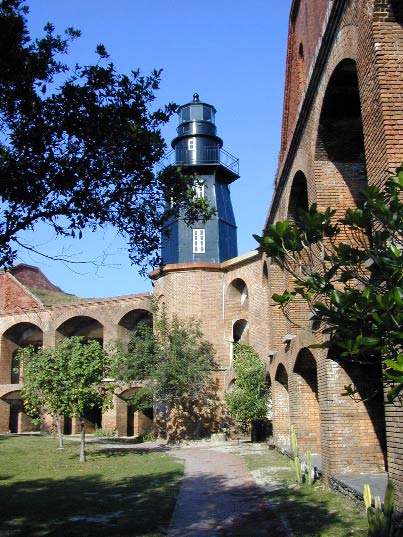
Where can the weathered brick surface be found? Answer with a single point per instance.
(14, 296)
(339, 148)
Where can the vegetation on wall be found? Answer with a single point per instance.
(350, 273)
(248, 403)
(172, 362)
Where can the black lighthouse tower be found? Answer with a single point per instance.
(199, 150)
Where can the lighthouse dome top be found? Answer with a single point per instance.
(196, 111)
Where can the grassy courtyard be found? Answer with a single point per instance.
(44, 491)
(308, 511)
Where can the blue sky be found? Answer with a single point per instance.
(232, 54)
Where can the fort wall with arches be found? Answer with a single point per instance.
(342, 129)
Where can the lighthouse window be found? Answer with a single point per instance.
(185, 114)
(199, 241)
(199, 190)
(196, 112)
(207, 114)
(191, 143)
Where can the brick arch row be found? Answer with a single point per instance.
(24, 334)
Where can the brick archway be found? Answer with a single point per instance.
(129, 420)
(298, 198)
(14, 338)
(133, 320)
(340, 167)
(12, 416)
(81, 325)
(357, 424)
(281, 408)
(305, 413)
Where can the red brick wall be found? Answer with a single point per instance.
(13, 297)
(370, 34)
(305, 29)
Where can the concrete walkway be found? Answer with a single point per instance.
(217, 491)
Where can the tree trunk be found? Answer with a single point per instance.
(82, 443)
(58, 421)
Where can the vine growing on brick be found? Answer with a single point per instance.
(248, 403)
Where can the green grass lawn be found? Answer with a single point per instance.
(309, 511)
(44, 491)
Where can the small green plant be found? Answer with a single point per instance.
(309, 476)
(379, 520)
(303, 471)
(147, 437)
(104, 433)
(296, 462)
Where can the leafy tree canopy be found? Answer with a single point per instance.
(350, 273)
(78, 145)
(248, 402)
(171, 360)
(67, 380)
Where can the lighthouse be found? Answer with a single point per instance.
(199, 150)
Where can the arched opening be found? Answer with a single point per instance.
(281, 408)
(279, 323)
(132, 321)
(130, 420)
(340, 170)
(238, 293)
(81, 325)
(12, 415)
(269, 393)
(298, 200)
(265, 275)
(231, 385)
(240, 331)
(236, 309)
(17, 337)
(301, 68)
(305, 414)
(357, 423)
(90, 330)
(298, 197)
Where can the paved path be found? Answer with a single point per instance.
(216, 491)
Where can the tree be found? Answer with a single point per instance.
(248, 403)
(172, 363)
(79, 144)
(66, 381)
(350, 273)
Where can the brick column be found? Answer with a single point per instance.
(4, 417)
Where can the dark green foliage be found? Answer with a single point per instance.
(172, 359)
(66, 381)
(354, 287)
(248, 402)
(79, 145)
(117, 493)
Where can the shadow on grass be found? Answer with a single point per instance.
(110, 452)
(86, 506)
(247, 510)
(142, 505)
(303, 517)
